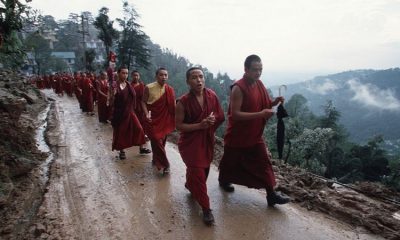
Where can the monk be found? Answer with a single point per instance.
(127, 131)
(87, 94)
(78, 88)
(159, 108)
(198, 115)
(68, 84)
(58, 85)
(103, 110)
(246, 160)
(138, 86)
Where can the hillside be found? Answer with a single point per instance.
(369, 101)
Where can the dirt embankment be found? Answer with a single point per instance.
(20, 187)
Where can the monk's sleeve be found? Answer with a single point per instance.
(218, 113)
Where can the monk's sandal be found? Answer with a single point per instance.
(208, 217)
(144, 151)
(122, 155)
(277, 198)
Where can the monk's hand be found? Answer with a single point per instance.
(267, 113)
(204, 124)
(278, 100)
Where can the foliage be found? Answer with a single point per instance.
(374, 163)
(132, 49)
(393, 180)
(12, 13)
(54, 64)
(11, 17)
(11, 53)
(39, 47)
(90, 55)
(310, 146)
(107, 33)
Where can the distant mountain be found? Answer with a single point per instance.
(369, 100)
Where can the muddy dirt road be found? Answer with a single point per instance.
(94, 195)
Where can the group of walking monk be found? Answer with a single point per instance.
(136, 110)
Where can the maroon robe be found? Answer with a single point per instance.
(139, 90)
(68, 85)
(58, 81)
(39, 82)
(197, 147)
(127, 131)
(245, 160)
(47, 82)
(103, 111)
(162, 123)
(87, 95)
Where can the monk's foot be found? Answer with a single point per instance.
(277, 198)
(208, 217)
(228, 187)
(122, 155)
(144, 151)
(166, 171)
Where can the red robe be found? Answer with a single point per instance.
(197, 147)
(162, 123)
(58, 81)
(68, 85)
(87, 95)
(139, 90)
(39, 82)
(47, 82)
(127, 131)
(245, 160)
(103, 110)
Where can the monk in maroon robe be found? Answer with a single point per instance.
(198, 115)
(159, 108)
(47, 82)
(87, 94)
(58, 82)
(103, 109)
(138, 86)
(127, 131)
(68, 84)
(246, 160)
(39, 82)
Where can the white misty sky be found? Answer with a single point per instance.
(296, 39)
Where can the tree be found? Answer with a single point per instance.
(393, 180)
(107, 33)
(300, 117)
(297, 106)
(373, 159)
(12, 13)
(55, 64)
(90, 56)
(330, 120)
(132, 49)
(67, 35)
(39, 48)
(310, 147)
(48, 23)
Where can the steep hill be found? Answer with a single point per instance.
(369, 101)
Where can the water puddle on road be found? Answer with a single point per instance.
(42, 145)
